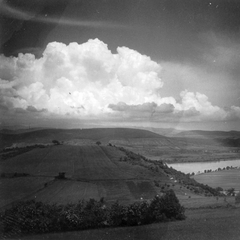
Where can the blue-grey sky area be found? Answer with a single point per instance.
(83, 63)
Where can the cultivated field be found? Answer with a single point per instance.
(92, 172)
(16, 189)
(225, 179)
(89, 162)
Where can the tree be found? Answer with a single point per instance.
(231, 192)
(219, 189)
(55, 142)
(237, 198)
(98, 143)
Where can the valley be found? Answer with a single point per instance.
(124, 165)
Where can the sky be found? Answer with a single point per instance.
(128, 63)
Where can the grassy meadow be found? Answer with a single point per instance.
(225, 179)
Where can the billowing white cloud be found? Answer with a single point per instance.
(89, 81)
(78, 79)
(198, 103)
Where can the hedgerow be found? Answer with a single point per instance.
(38, 217)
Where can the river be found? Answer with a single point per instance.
(197, 167)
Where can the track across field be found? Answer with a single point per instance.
(14, 189)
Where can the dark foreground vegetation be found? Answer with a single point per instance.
(38, 217)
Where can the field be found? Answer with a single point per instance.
(89, 162)
(14, 189)
(225, 179)
(91, 172)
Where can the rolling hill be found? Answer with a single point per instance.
(94, 134)
(184, 146)
(209, 134)
(91, 172)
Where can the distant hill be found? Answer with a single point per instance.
(8, 137)
(168, 132)
(209, 134)
(227, 139)
(184, 146)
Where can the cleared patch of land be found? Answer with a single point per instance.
(225, 179)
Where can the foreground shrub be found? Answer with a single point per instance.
(237, 198)
(117, 215)
(31, 216)
(38, 217)
(137, 214)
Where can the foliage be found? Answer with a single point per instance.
(38, 217)
(116, 216)
(237, 198)
(219, 189)
(55, 142)
(61, 175)
(231, 192)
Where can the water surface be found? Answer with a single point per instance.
(197, 167)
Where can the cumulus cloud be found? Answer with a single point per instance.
(78, 79)
(89, 81)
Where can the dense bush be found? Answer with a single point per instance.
(38, 217)
(237, 198)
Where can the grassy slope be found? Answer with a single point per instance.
(14, 189)
(79, 162)
(93, 172)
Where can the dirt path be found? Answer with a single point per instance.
(209, 224)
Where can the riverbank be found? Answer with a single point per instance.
(200, 167)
